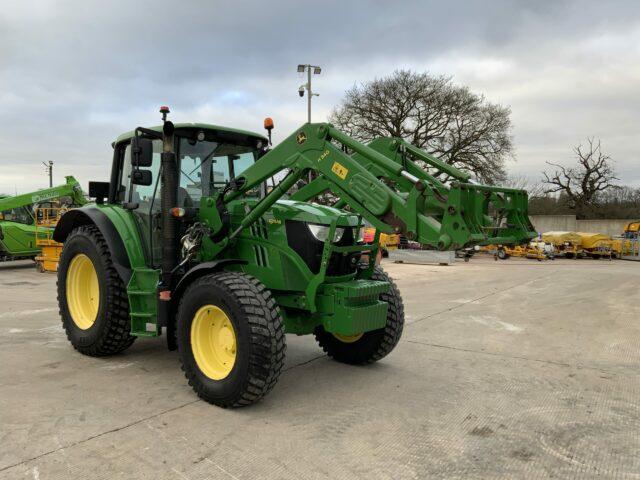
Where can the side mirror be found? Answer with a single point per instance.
(142, 177)
(141, 152)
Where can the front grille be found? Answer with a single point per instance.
(301, 240)
(259, 229)
(261, 257)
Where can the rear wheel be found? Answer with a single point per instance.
(230, 339)
(368, 347)
(91, 296)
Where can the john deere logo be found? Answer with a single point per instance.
(301, 138)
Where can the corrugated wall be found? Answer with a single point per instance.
(568, 223)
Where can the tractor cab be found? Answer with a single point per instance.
(209, 158)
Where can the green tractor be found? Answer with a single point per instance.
(188, 240)
(18, 223)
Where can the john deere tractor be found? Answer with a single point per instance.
(188, 240)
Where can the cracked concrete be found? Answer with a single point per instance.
(513, 369)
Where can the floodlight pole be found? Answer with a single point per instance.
(307, 86)
(49, 168)
(309, 94)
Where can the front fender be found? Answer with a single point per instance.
(196, 272)
(200, 270)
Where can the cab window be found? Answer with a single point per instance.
(206, 166)
(141, 194)
(18, 215)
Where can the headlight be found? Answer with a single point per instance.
(320, 232)
(360, 236)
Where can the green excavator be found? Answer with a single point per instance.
(18, 222)
(187, 239)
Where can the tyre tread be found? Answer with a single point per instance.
(117, 335)
(267, 331)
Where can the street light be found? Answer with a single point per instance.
(307, 86)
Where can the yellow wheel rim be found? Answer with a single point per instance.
(213, 341)
(349, 338)
(83, 291)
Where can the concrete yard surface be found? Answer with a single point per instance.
(511, 369)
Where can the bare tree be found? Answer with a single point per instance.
(449, 121)
(582, 185)
(522, 182)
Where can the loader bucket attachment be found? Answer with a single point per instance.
(495, 215)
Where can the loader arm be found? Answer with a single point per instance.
(417, 206)
(497, 213)
(393, 197)
(69, 189)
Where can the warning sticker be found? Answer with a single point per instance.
(339, 170)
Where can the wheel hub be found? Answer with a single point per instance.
(83, 291)
(349, 338)
(213, 342)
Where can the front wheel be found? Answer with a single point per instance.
(230, 339)
(368, 347)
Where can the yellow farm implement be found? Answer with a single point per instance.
(535, 250)
(46, 220)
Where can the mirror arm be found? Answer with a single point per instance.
(148, 132)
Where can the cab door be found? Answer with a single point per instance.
(147, 215)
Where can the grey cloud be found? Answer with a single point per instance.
(75, 74)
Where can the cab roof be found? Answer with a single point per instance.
(195, 126)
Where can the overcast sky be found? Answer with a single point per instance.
(75, 74)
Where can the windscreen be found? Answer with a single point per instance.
(206, 166)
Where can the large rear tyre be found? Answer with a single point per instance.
(368, 347)
(91, 295)
(230, 339)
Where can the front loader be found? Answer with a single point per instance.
(187, 239)
(492, 214)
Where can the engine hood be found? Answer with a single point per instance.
(312, 213)
(305, 212)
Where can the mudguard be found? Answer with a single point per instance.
(196, 272)
(91, 215)
(200, 270)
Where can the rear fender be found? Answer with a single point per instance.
(93, 216)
